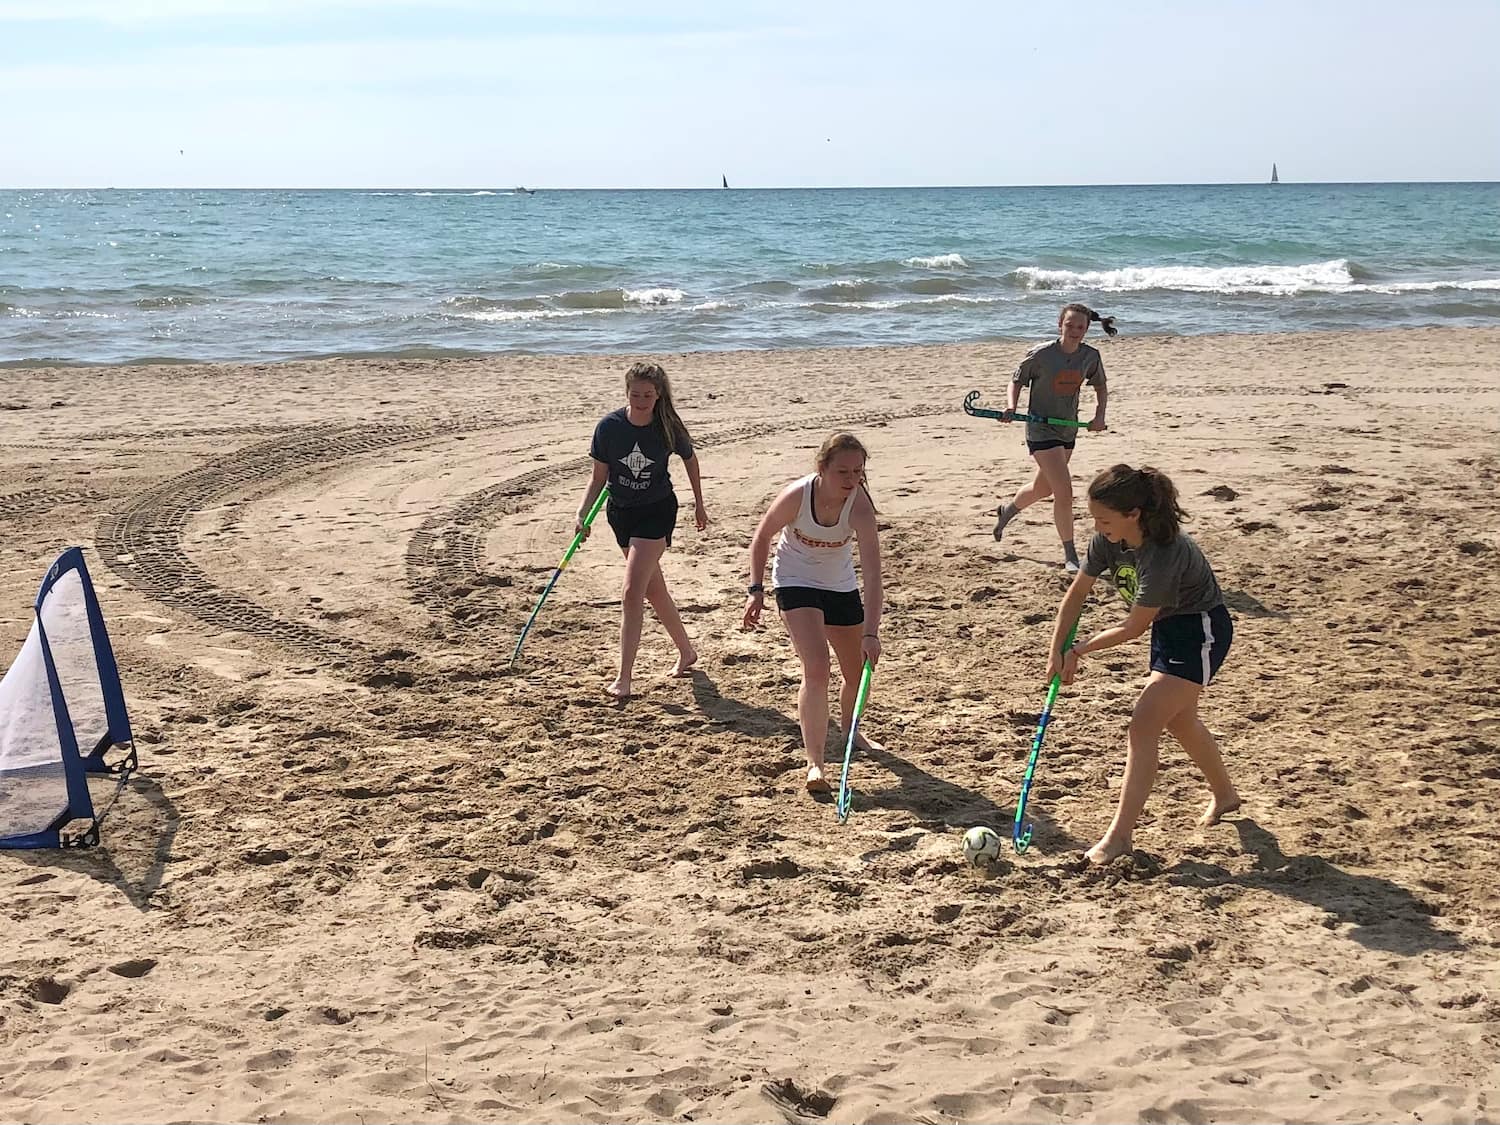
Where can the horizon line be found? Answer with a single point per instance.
(755, 187)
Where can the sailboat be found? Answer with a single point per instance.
(1275, 179)
(724, 178)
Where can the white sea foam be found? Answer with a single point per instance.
(937, 262)
(1396, 288)
(499, 315)
(655, 296)
(1330, 276)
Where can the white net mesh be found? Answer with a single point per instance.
(33, 791)
(33, 788)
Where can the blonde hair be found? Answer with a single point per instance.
(844, 442)
(664, 414)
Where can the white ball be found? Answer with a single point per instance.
(981, 846)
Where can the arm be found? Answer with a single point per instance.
(867, 530)
(1136, 623)
(700, 513)
(1101, 402)
(590, 494)
(1067, 613)
(783, 510)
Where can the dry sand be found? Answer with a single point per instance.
(367, 874)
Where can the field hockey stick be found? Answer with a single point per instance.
(556, 574)
(1018, 839)
(841, 807)
(972, 408)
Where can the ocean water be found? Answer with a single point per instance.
(128, 276)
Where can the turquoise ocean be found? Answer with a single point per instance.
(123, 276)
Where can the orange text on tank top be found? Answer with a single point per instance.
(812, 554)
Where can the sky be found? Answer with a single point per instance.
(771, 93)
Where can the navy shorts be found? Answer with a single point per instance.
(647, 521)
(839, 607)
(1191, 646)
(1050, 443)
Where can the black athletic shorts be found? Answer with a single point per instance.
(1050, 443)
(839, 607)
(1191, 646)
(648, 521)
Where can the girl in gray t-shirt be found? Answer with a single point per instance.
(1171, 590)
(1055, 374)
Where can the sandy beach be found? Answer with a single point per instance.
(368, 873)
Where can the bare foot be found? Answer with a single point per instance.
(685, 660)
(620, 689)
(863, 743)
(1218, 809)
(816, 782)
(1106, 851)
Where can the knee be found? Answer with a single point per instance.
(1145, 727)
(1063, 492)
(636, 588)
(815, 672)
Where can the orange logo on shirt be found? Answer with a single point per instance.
(1067, 382)
(827, 544)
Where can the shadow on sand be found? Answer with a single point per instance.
(137, 840)
(1385, 916)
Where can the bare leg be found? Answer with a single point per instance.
(847, 642)
(642, 560)
(666, 612)
(810, 639)
(1038, 488)
(1162, 700)
(1053, 464)
(1188, 729)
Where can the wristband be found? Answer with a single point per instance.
(756, 588)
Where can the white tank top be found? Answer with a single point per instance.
(809, 554)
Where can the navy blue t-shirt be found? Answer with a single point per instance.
(637, 460)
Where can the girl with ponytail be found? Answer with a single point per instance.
(815, 521)
(1056, 371)
(1171, 590)
(630, 451)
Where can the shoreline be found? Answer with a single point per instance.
(368, 869)
(425, 355)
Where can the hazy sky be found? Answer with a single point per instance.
(670, 93)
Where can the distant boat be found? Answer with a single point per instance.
(1275, 179)
(724, 178)
(523, 191)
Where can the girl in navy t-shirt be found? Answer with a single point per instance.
(630, 450)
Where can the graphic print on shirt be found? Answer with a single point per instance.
(829, 544)
(1127, 582)
(1067, 382)
(637, 462)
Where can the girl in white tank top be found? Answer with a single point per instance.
(817, 589)
(810, 554)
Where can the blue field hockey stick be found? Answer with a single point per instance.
(845, 800)
(972, 408)
(1021, 840)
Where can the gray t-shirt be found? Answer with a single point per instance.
(637, 460)
(1173, 578)
(1055, 379)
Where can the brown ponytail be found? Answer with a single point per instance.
(1149, 491)
(1105, 322)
